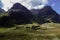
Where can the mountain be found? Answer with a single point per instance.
(2, 10)
(20, 13)
(46, 15)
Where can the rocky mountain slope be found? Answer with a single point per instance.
(47, 14)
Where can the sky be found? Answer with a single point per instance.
(1, 5)
(55, 5)
(31, 4)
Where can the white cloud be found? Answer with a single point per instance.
(30, 4)
(6, 4)
(38, 7)
(39, 4)
(45, 2)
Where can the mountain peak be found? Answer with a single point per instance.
(17, 6)
(49, 7)
(20, 13)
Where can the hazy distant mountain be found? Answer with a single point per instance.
(47, 14)
(2, 10)
(20, 13)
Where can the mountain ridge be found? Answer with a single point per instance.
(45, 14)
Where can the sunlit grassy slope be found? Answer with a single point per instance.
(47, 31)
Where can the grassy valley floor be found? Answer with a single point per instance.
(47, 31)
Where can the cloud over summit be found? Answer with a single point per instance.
(30, 4)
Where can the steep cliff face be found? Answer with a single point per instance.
(20, 13)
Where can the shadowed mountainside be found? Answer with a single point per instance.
(46, 15)
(20, 13)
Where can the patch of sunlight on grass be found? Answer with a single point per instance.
(51, 25)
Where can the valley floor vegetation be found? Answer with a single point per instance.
(34, 31)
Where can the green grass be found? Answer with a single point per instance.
(20, 32)
(3, 14)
